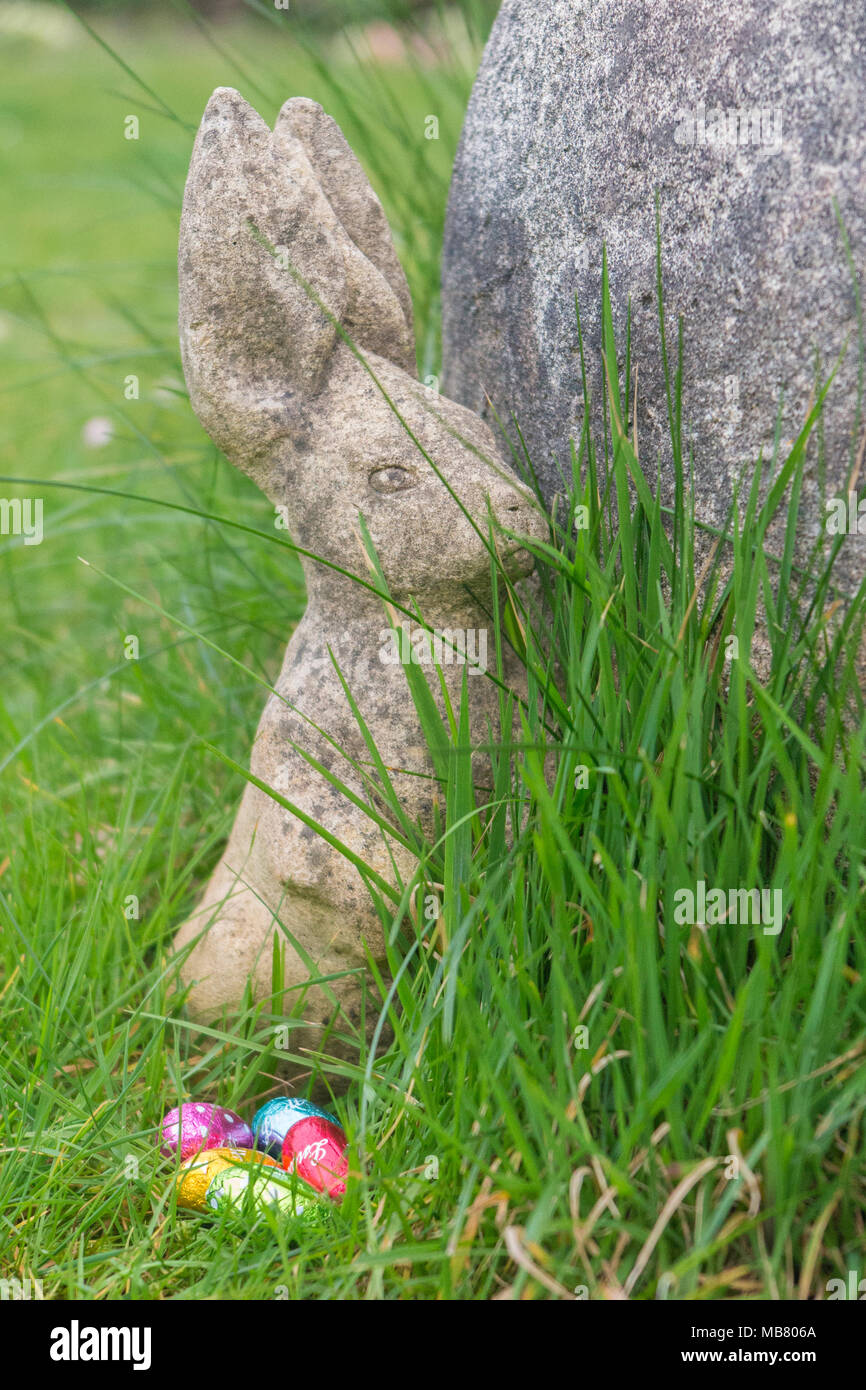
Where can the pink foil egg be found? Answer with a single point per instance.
(196, 1125)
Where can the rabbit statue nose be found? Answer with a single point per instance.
(275, 384)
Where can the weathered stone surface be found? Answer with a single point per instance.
(580, 112)
(277, 387)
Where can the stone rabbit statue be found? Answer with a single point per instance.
(277, 228)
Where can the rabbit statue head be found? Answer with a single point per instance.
(284, 243)
(298, 351)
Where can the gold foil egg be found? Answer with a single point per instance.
(197, 1173)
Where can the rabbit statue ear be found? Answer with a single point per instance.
(254, 343)
(264, 251)
(379, 312)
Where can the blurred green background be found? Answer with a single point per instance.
(91, 216)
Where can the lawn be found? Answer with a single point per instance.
(588, 1094)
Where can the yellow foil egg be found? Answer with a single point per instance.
(196, 1173)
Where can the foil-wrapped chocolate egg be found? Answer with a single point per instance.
(239, 1184)
(197, 1173)
(272, 1122)
(195, 1125)
(315, 1149)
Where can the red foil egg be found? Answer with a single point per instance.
(315, 1149)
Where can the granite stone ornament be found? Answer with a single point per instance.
(284, 249)
(748, 119)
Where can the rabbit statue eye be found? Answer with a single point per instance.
(392, 478)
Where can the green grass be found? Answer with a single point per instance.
(582, 1094)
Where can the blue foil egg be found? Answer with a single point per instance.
(273, 1121)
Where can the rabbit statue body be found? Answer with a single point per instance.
(277, 228)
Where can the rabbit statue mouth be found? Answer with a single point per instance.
(518, 562)
(298, 350)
